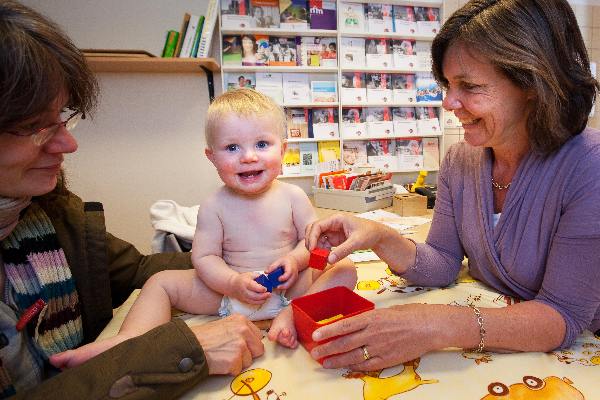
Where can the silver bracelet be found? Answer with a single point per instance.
(479, 317)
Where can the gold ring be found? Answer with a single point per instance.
(366, 354)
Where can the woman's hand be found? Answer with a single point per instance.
(244, 288)
(344, 232)
(229, 344)
(389, 335)
(290, 266)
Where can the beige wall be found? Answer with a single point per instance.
(146, 141)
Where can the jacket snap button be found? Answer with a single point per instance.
(185, 365)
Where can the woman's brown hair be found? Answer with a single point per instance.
(538, 46)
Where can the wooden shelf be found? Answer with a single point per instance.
(152, 64)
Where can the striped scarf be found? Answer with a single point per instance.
(36, 268)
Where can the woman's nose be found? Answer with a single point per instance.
(61, 142)
(451, 101)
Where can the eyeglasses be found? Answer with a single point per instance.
(69, 120)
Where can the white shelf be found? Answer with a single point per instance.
(279, 32)
(310, 105)
(394, 104)
(296, 176)
(417, 3)
(388, 137)
(310, 140)
(268, 68)
(384, 70)
(387, 35)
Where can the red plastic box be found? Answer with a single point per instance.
(310, 309)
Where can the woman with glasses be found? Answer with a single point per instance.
(61, 273)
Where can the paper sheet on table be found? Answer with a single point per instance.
(393, 220)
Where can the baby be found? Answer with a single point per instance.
(253, 223)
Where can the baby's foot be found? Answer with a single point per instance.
(73, 358)
(283, 330)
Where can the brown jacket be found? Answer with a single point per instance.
(161, 364)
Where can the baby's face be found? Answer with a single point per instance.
(247, 153)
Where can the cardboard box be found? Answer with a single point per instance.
(354, 200)
(410, 204)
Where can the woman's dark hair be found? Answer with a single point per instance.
(538, 46)
(37, 62)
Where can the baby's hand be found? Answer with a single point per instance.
(289, 277)
(247, 290)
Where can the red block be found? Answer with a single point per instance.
(318, 258)
(310, 309)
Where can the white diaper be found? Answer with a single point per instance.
(255, 312)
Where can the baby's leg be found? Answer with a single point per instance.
(310, 281)
(166, 289)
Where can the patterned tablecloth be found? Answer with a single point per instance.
(451, 374)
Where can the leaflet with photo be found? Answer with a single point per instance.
(404, 89)
(405, 54)
(352, 17)
(353, 123)
(405, 20)
(409, 153)
(329, 151)
(322, 14)
(428, 122)
(264, 13)
(405, 121)
(379, 18)
(431, 154)
(254, 49)
(293, 14)
(317, 51)
(235, 14)
(296, 89)
(379, 122)
(379, 88)
(354, 154)
(379, 52)
(354, 88)
(428, 20)
(423, 54)
(232, 50)
(297, 122)
(291, 159)
(353, 52)
(323, 91)
(379, 147)
(427, 87)
(270, 84)
(309, 158)
(240, 80)
(281, 51)
(325, 123)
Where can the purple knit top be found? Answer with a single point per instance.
(546, 245)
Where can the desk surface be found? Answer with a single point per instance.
(451, 374)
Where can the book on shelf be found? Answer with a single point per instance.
(235, 14)
(270, 84)
(297, 122)
(322, 14)
(328, 150)
(316, 51)
(354, 88)
(404, 89)
(379, 88)
(353, 123)
(182, 33)
(325, 123)
(352, 52)
(405, 121)
(378, 18)
(427, 87)
(264, 13)
(296, 89)
(323, 91)
(354, 154)
(423, 55)
(232, 50)
(210, 20)
(281, 51)
(170, 44)
(428, 121)
(404, 20)
(196, 43)
(431, 154)
(404, 53)
(379, 122)
(428, 20)
(240, 80)
(352, 17)
(291, 159)
(293, 14)
(187, 45)
(309, 158)
(379, 52)
(409, 153)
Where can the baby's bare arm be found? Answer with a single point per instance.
(303, 214)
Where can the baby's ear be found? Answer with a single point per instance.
(209, 154)
(283, 146)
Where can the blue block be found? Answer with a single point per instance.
(270, 281)
(264, 280)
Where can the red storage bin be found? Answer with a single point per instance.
(310, 309)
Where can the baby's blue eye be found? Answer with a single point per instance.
(262, 144)
(231, 147)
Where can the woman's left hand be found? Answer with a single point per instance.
(387, 337)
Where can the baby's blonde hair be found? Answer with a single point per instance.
(246, 103)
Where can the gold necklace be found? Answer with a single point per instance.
(499, 186)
